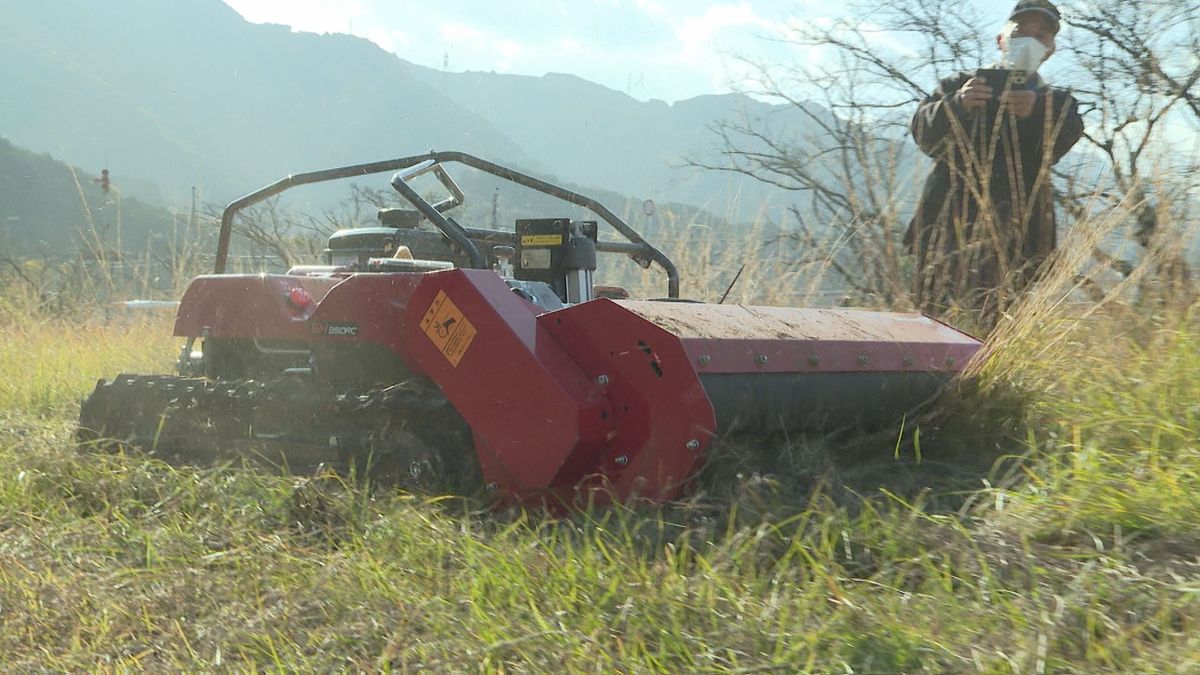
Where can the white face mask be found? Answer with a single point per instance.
(1022, 53)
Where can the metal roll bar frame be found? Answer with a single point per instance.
(409, 167)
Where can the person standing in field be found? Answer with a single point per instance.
(985, 222)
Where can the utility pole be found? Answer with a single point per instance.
(192, 214)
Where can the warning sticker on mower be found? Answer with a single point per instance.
(449, 330)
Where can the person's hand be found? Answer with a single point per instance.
(1020, 102)
(974, 94)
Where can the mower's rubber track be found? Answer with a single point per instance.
(405, 434)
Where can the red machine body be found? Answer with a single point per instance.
(604, 399)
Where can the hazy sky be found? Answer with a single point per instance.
(666, 49)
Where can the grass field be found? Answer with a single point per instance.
(1047, 520)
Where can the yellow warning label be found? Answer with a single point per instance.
(541, 240)
(449, 330)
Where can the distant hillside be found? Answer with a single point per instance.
(593, 135)
(49, 209)
(187, 93)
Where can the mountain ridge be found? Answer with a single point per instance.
(191, 94)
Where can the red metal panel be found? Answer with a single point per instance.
(664, 422)
(247, 306)
(533, 410)
(375, 304)
(738, 339)
(256, 306)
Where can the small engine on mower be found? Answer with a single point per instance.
(414, 352)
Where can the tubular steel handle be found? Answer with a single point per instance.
(456, 197)
(638, 248)
(448, 227)
(415, 170)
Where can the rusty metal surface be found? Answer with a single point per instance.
(737, 338)
(698, 320)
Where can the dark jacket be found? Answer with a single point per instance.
(1019, 182)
